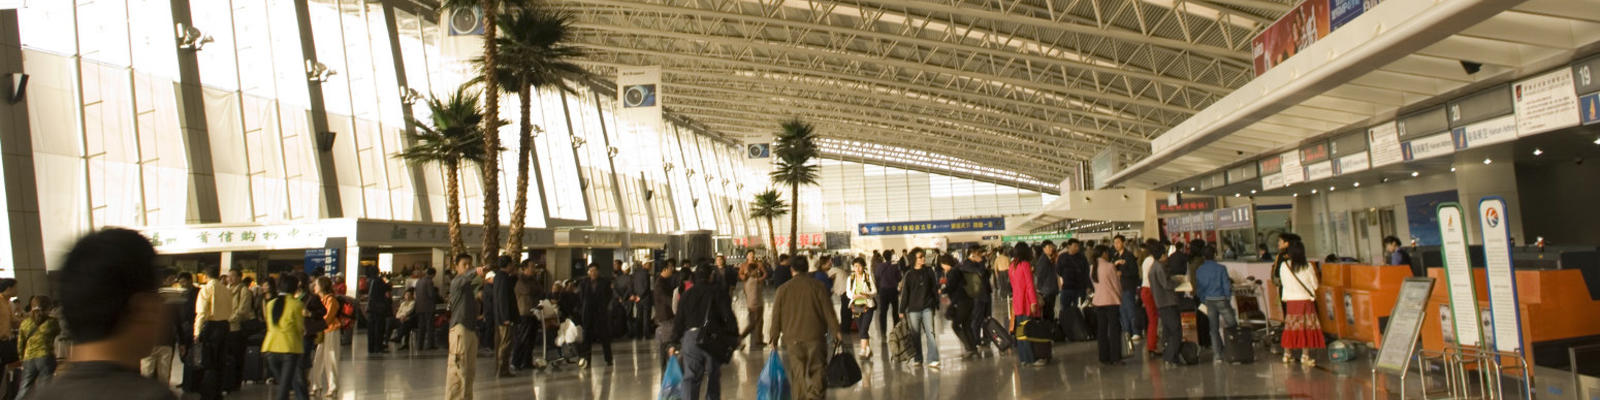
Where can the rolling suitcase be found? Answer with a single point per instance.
(998, 335)
(254, 366)
(1240, 345)
(1189, 350)
(1072, 324)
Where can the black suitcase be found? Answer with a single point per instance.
(1072, 324)
(254, 366)
(1241, 345)
(1189, 353)
(998, 335)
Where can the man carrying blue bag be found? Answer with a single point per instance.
(803, 320)
(671, 381)
(774, 381)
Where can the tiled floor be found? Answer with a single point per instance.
(1073, 375)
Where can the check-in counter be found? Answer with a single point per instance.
(1555, 306)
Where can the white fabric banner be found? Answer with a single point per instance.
(1545, 102)
(639, 115)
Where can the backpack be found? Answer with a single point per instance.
(347, 312)
(972, 283)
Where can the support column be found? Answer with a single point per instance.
(331, 206)
(21, 249)
(225, 262)
(203, 207)
(419, 183)
(352, 269)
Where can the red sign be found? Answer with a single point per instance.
(1187, 205)
(1314, 153)
(806, 240)
(1297, 30)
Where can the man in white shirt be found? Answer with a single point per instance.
(212, 310)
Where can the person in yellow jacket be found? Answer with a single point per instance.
(284, 342)
(37, 344)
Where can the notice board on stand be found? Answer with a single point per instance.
(1405, 323)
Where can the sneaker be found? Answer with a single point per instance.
(933, 365)
(1135, 338)
(1039, 363)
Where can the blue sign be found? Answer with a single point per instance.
(941, 226)
(322, 262)
(1589, 107)
(1343, 11)
(1422, 218)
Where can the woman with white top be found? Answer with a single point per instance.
(861, 292)
(1301, 330)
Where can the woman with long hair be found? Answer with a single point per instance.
(862, 294)
(1301, 330)
(1107, 301)
(1024, 301)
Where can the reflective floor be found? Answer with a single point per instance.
(1074, 374)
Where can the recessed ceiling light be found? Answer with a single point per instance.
(1235, 195)
(1330, 188)
(1252, 191)
(1384, 180)
(1538, 152)
(1452, 169)
(1487, 161)
(1313, 191)
(1357, 184)
(1296, 195)
(1191, 189)
(1597, 140)
(1414, 174)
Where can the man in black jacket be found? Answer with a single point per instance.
(661, 292)
(955, 286)
(887, 275)
(982, 308)
(1074, 272)
(920, 299)
(597, 295)
(639, 299)
(1046, 282)
(702, 309)
(505, 314)
(1128, 270)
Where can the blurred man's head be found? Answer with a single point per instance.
(108, 296)
(463, 263)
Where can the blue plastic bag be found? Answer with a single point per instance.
(671, 381)
(774, 383)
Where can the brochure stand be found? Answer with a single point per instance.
(1400, 340)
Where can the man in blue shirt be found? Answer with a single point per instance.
(1212, 285)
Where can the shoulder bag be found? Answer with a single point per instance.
(719, 343)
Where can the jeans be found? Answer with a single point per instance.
(1106, 333)
(889, 304)
(697, 366)
(1130, 311)
(1220, 312)
(36, 371)
(981, 312)
(864, 324)
(286, 367)
(922, 322)
(1024, 348)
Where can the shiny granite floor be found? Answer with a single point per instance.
(1073, 374)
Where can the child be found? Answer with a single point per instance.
(37, 343)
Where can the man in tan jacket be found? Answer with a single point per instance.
(803, 319)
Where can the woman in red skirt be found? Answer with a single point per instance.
(1301, 330)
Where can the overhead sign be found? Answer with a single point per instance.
(939, 226)
(1273, 181)
(1481, 105)
(1186, 204)
(1293, 172)
(1351, 164)
(1486, 133)
(1321, 170)
(1431, 146)
(1405, 323)
(1105, 164)
(1502, 279)
(1271, 165)
(217, 238)
(1235, 218)
(1298, 29)
(322, 262)
(1384, 144)
(1053, 237)
(1589, 107)
(1458, 274)
(1198, 222)
(1545, 102)
(1314, 152)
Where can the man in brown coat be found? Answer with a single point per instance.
(802, 317)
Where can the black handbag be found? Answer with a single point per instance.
(842, 369)
(8, 352)
(719, 343)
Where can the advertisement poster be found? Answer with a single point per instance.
(1420, 216)
(1344, 11)
(1383, 142)
(1486, 133)
(1497, 269)
(639, 113)
(1546, 102)
(1458, 274)
(1293, 172)
(1431, 146)
(1301, 27)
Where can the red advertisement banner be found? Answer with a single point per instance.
(1302, 26)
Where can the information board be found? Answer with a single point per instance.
(1431, 146)
(1318, 171)
(1293, 172)
(1545, 102)
(1486, 133)
(1405, 323)
(1383, 141)
(1458, 274)
(1502, 279)
(1350, 164)
(1273, 181)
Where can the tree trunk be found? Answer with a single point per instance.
(794, 218)
(452, 206)
(519, 210)
(772, 240)
(491, 135)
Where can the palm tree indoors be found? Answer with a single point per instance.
(768, 205)
(453, 134)
(491, 125)
(535, 54)
(795, 149)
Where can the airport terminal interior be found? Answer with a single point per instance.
(849, 199)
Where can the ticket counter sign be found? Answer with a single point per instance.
(1545, 103)
(1501, 278)
(939, 226)
(1458, 275)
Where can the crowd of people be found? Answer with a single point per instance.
(130, 327)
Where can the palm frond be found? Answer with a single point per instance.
(768, 204)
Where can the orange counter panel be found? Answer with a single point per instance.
(1549, 301)
(1331, 311)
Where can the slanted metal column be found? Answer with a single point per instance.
(22, 251)
(322, 137)
(203, 207)
(419, 183)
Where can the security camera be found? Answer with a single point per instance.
(190, 38)
(317, 72)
